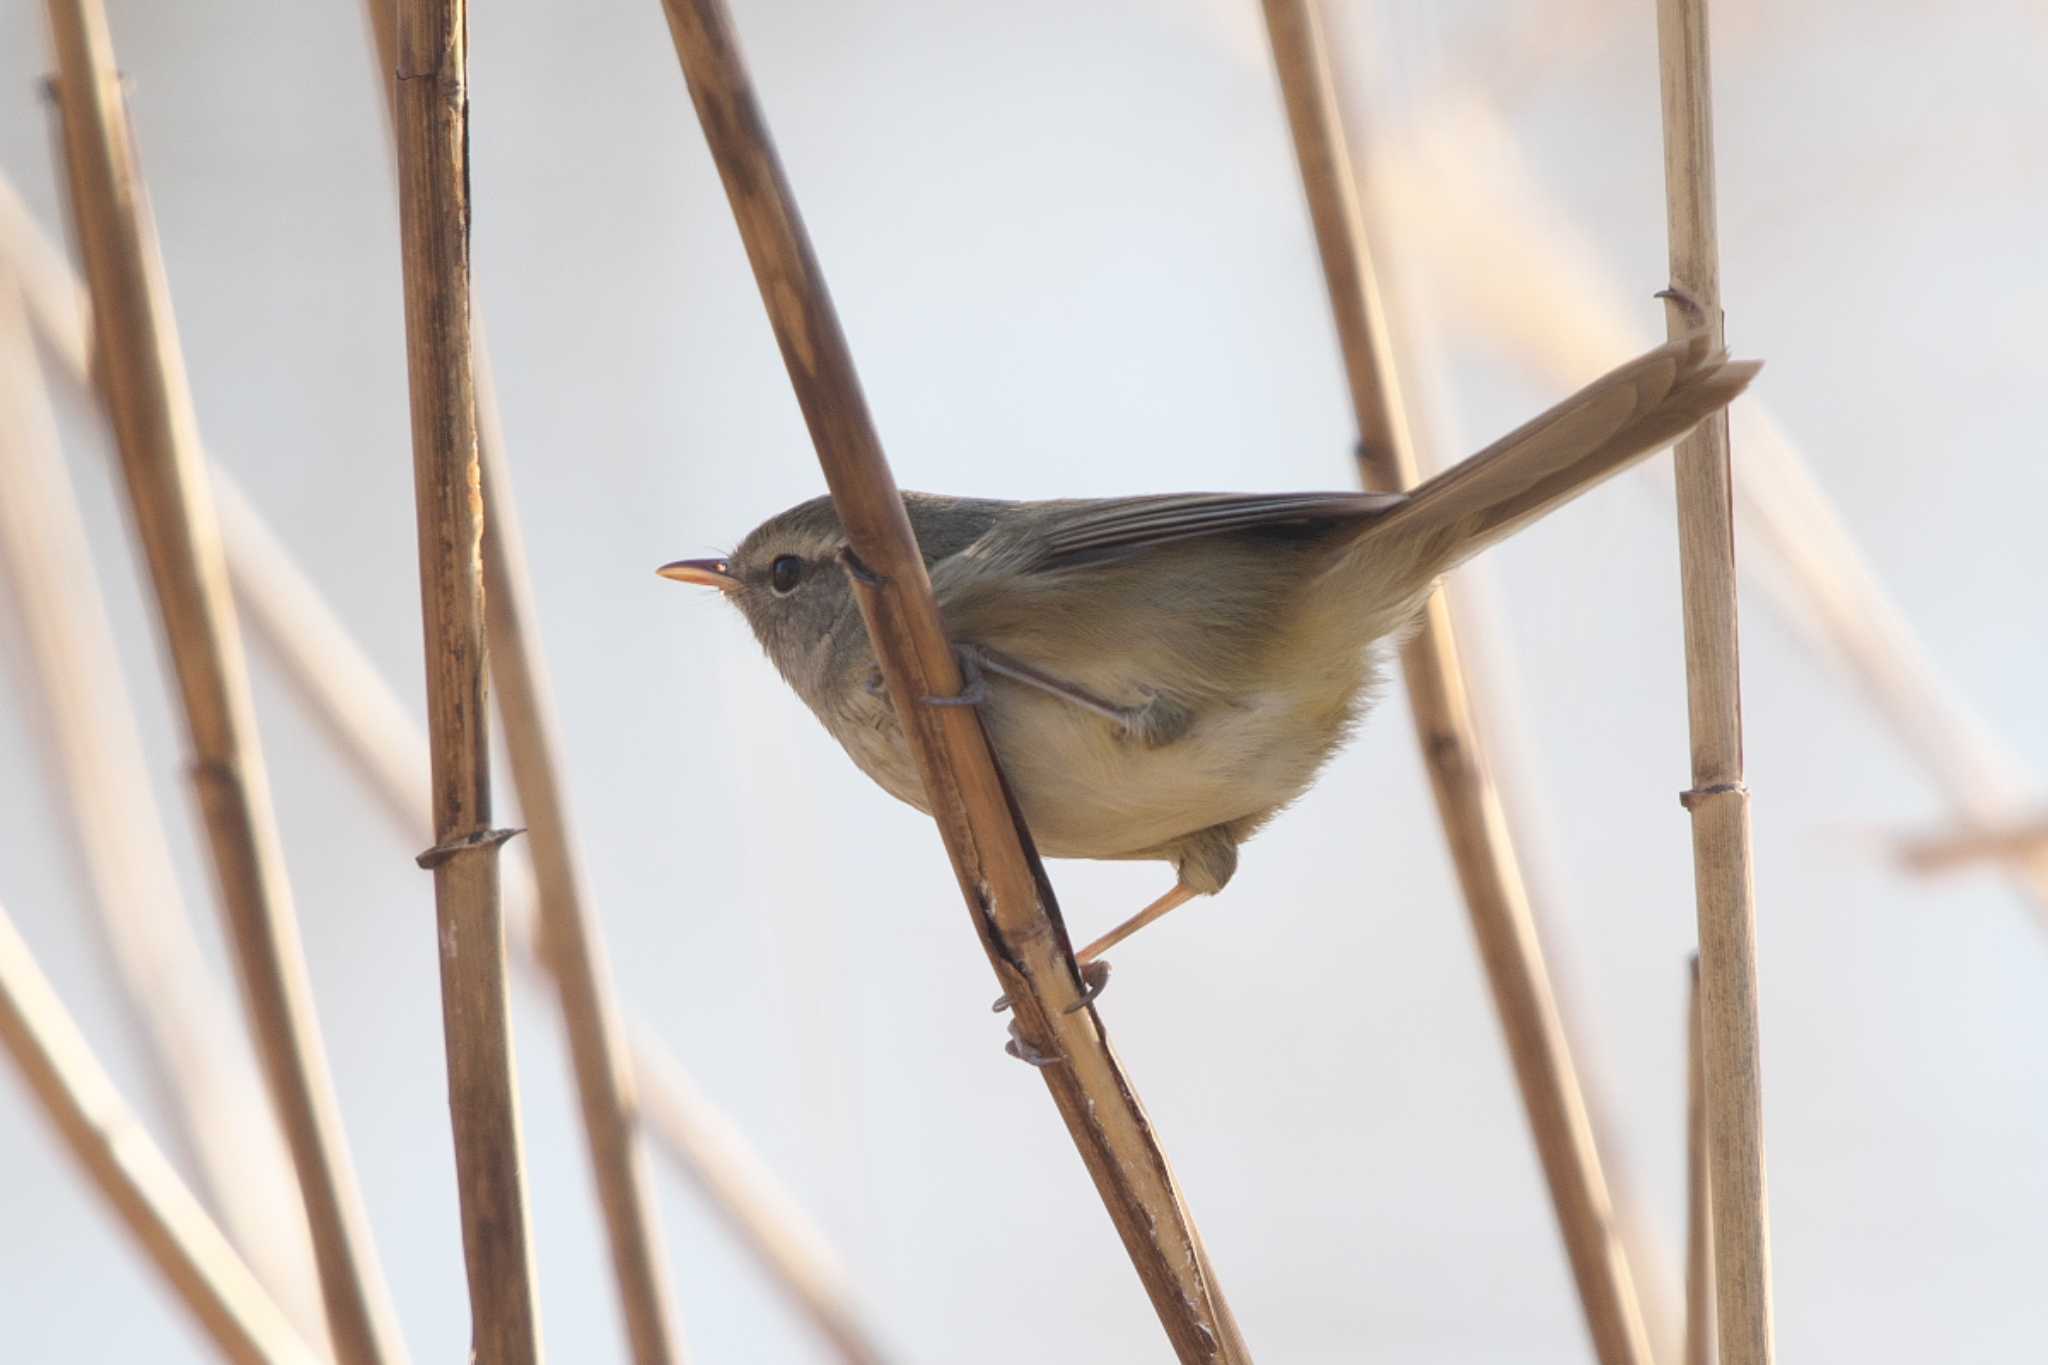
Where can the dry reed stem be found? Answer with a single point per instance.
(1717, 799)
(1000, 878)
(202, 1065)
(151, 407)
(1474, 825)
(434, 215)
(574, 952)
(1508, 262)
(118, 1156)
(366, 722)
(2019, 842)
(1699, 1250)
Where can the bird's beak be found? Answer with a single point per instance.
(709, 573)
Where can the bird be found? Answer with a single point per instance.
(1161, 675)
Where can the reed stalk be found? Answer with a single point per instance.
(356, 708)
(151, 407)
(2016, 842)
(434, 217)
(573, 949)
(1007, 895)
(125, 1165)
(1475, 826)
(1718, 799)
(1508, 265)
(204, 1070)
(1699, 1249)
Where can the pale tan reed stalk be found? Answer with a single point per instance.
(124, 1164)
(1001, 881)
(1474, 825)
(1731, 1046)
(574, 953)
(483, 1097)
(1699, 1248)
(151, 407)
(370, 727)
(2019, 842)
(1508, 264)
(204, 1068)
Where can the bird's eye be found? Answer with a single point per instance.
(785, 573)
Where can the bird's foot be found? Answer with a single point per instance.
(1694, 311)
(858, 571)
(973, 685)
(1028, 1054)
(1094, 976)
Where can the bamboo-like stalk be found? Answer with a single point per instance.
(1474, 825)
(120, 1159)
(434, 217)
(1509, 265)
(1699, 1250)
(574, 952)
(206, 1074)
(1718, 800)
(1008, 897)
(2019, 842)
(362, 716)
(151, 406)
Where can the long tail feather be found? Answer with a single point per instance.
(1616, 420)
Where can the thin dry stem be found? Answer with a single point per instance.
(203, 1066)
(124, 1164)
(434, 214)
(151, 407)
(1699, 1250)
(574, 950)
(362, 716)
(1008, 897)
(1474, 824)
(2020, 842)
(1718, 800)
(1506, 260)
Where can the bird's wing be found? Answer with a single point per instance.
(1116, 528)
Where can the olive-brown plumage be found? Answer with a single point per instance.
(1161, 675)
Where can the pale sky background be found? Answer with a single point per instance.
(1071, 254)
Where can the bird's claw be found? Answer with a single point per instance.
(1028, 1054)
(857, 570)
(973, 686)
(1094, 976)
(1694, 312)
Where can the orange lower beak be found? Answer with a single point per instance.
(709, 573)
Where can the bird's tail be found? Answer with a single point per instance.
(1616, 420)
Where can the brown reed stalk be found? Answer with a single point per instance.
(1717, 799)
(1699, 1250)
(1474, 825)
(115, 1149)
(205, 1072)
(1508, 263)
(151, 407)
(574, 951)
(364, 719)
(2018, 841)
(434, 216)
(1008, 897)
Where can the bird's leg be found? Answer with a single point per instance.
(1095, 974)
(1180, 895)
(1158, 720)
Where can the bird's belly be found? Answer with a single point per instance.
(1092, 791)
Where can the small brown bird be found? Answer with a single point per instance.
(1161, 675)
